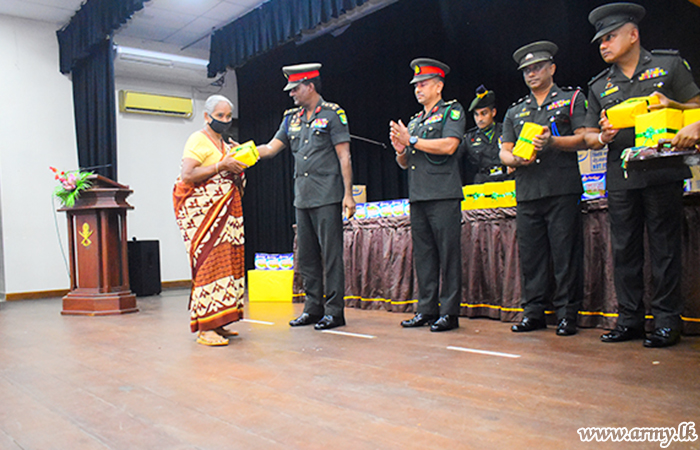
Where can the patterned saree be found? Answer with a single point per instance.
(210, 218)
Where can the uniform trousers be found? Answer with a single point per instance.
(550, 243)
(320, 259)
(436, 228)
(660, 208)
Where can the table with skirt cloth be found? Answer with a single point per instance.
(379, 263)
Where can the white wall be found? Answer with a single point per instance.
(37, 131)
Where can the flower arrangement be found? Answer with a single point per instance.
(72, 183)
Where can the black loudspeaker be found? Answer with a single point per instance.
(144, 267)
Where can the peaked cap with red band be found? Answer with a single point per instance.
(425, 68)
(300, 72)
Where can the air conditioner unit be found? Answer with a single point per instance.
(162, 105)
(134, 63)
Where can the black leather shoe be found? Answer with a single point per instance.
(622, 334)
(445, 323)
(528, 324)
(328, 322)
(566, 327)
(419, 320)
(663, 337)
(304, 319)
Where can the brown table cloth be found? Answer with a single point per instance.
(379, 266)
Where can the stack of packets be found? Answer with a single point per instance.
(524, 147)
(489, 195)
(247, 153)
(274, 261)
(392, 208)
(649, 128)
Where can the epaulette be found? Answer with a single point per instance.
(329, 105)
(668, 52)
(519, 101)
(571, 88)
(599, 76)
(292, 111)
(471, 130)
(415, 115)
(450, 102)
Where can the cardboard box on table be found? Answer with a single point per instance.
(359, 193)
(661, 124)
(489, 195)
(593, 165)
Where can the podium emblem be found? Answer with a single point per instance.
(85, 234)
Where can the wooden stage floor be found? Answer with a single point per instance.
(140, 381)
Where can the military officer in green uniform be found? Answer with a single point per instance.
(427, 149)
(480, 145)
(644, 198)
(548, 191)
(317, 133)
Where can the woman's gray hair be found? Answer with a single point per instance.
(214, 100)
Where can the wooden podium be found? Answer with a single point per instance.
(99, 272)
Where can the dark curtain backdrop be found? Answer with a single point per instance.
(365, 70)
(85, 51)
(94, 107)
(271, 24)
(94, 21)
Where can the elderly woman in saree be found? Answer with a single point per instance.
(207, 202)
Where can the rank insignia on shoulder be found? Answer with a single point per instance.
(329, 105)
(341, 115)
(292, 111)
(668, 52)
(455, 114)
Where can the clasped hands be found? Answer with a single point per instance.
(399, 136)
